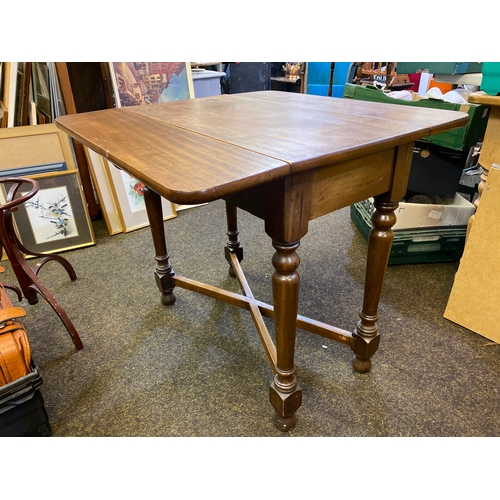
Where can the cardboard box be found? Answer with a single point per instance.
(474, 298)
(440, 68)
(421, 215)
(459, 138)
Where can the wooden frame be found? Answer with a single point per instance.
(34, 149)
(41, 90)
(8, 93)
(23, 83)
(104, 190)
(56, 218)
(112, 189)
(3, 108)
(4, 116)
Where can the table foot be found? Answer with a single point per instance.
(168, 299)
(285, 424)
(163, 277)
(361, 365)
(285, 405)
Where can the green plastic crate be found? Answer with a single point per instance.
(440, 68)
(416, 246)
(459, 138)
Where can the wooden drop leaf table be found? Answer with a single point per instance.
(286, 158)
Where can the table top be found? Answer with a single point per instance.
(200, 150)
(482, 97)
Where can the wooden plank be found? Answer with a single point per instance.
(234, 299)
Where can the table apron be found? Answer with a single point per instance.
(338, 185)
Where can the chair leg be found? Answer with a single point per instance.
(28, 279)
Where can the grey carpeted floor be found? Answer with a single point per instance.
(198, 368)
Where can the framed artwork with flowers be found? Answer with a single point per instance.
(128, 192)
(141, 84)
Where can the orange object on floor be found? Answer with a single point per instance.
(445, 87)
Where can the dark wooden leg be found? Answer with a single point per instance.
(285, 395)
(163, 270)
(366, 336)
(233, 243)
(44, 292)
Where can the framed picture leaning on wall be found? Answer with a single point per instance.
(56, 218)
(34, 149)
(140, 84)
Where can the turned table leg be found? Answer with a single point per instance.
(366, 336)
(163, 271)
(285, 395)
(233, 243)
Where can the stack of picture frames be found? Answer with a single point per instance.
(32, 95)
(136, 84)
(29, 94)
(56, 218)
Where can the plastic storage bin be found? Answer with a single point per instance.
(207, 83)
(22, 409)
(443, 68)
(318, 78)
(436, 170)
(459, 138)
(416, 246)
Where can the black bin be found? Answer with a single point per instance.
(22, 409)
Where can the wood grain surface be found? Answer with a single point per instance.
(199, 150)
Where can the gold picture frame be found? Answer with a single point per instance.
(104, 191)
(116, 195)
(34, 149)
